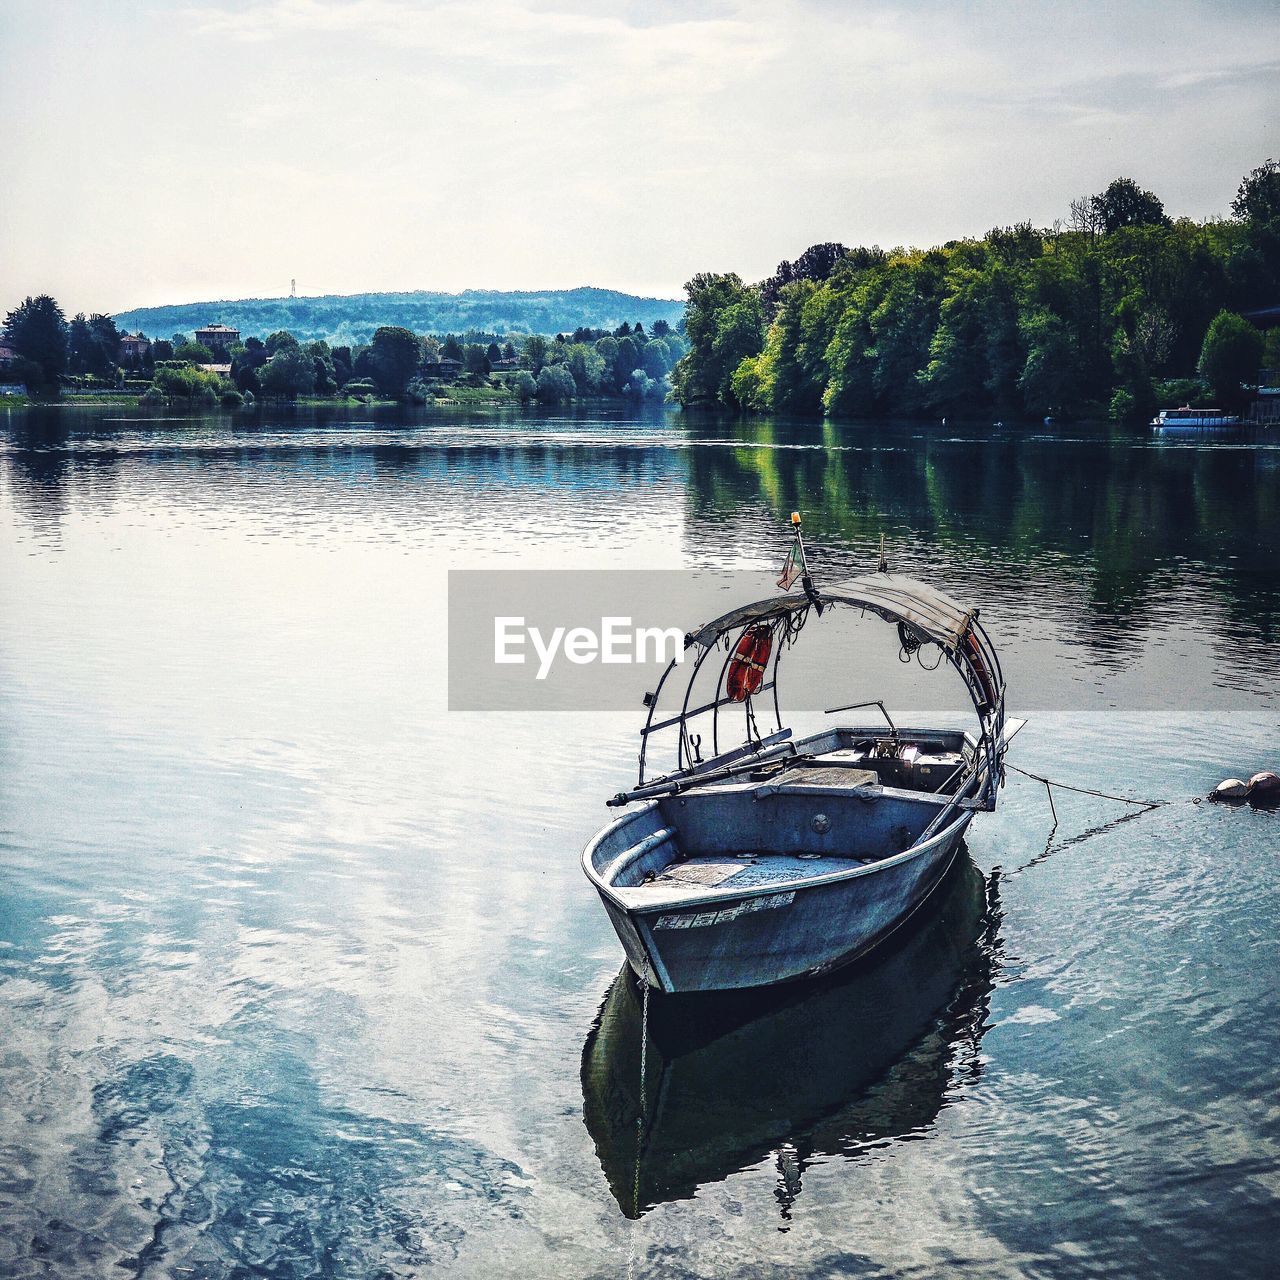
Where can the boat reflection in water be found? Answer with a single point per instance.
(833, 1067)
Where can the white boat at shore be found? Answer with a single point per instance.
(1189, 419)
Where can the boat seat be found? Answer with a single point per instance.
(828, 775)
(635, 853)
(747, 870)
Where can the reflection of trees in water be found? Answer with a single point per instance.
(838, 1067)
(235, 469)
(44, 475)
(1016, 517)
(1123, 517)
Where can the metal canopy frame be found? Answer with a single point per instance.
(928, 616)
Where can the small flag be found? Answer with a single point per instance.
(792, 567)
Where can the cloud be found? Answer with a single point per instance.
(524, 143)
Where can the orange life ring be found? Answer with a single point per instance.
(750, 659)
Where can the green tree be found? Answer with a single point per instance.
(901, 329)
(326, 381)
(626, 359)
(656, 358)
(796, 370)
(1258, 199)
(524, 385)
(640, 386)
(587, 366)
(245, 364)
(607, 349)
(975, 354)
(724, 321)
(93, 345)
(187, 383)
(1050, 380)
(37, 331)
(289, 373)
(394, 357)
(193, 353)
(752, 382)
(1257, 260)
(783, 381)
(80, 352)
(849, 392)
(1230, 356)
(535, 352)
(556, 384)
(245, 377)
(474, 360)
(1125, 204)
(280, 339)
(815, 264)
(1020, 321)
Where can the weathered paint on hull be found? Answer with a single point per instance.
(758, 940)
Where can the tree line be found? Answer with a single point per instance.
(352, 319)
(398, 363)
(1118, 310)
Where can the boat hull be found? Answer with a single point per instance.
(799, 1072)
(786, 933)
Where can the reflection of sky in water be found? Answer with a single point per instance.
(297, 969)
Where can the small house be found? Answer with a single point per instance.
(133, 346)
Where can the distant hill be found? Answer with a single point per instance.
(340, 318)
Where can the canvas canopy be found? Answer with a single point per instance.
(889, 595)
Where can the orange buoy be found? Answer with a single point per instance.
(750, 659)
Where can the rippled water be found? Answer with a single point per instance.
(299, 974)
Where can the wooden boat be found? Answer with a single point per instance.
(718, 1083)
(780, 859)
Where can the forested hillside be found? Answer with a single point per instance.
(1116, 310)
(353, 319)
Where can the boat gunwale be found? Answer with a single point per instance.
(728, 894)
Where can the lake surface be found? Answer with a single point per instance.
(299, 974)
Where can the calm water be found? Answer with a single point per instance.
(299, 974)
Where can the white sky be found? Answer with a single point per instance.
(154, 152)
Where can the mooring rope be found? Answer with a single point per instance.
(1049, 784)
(1141, 807)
